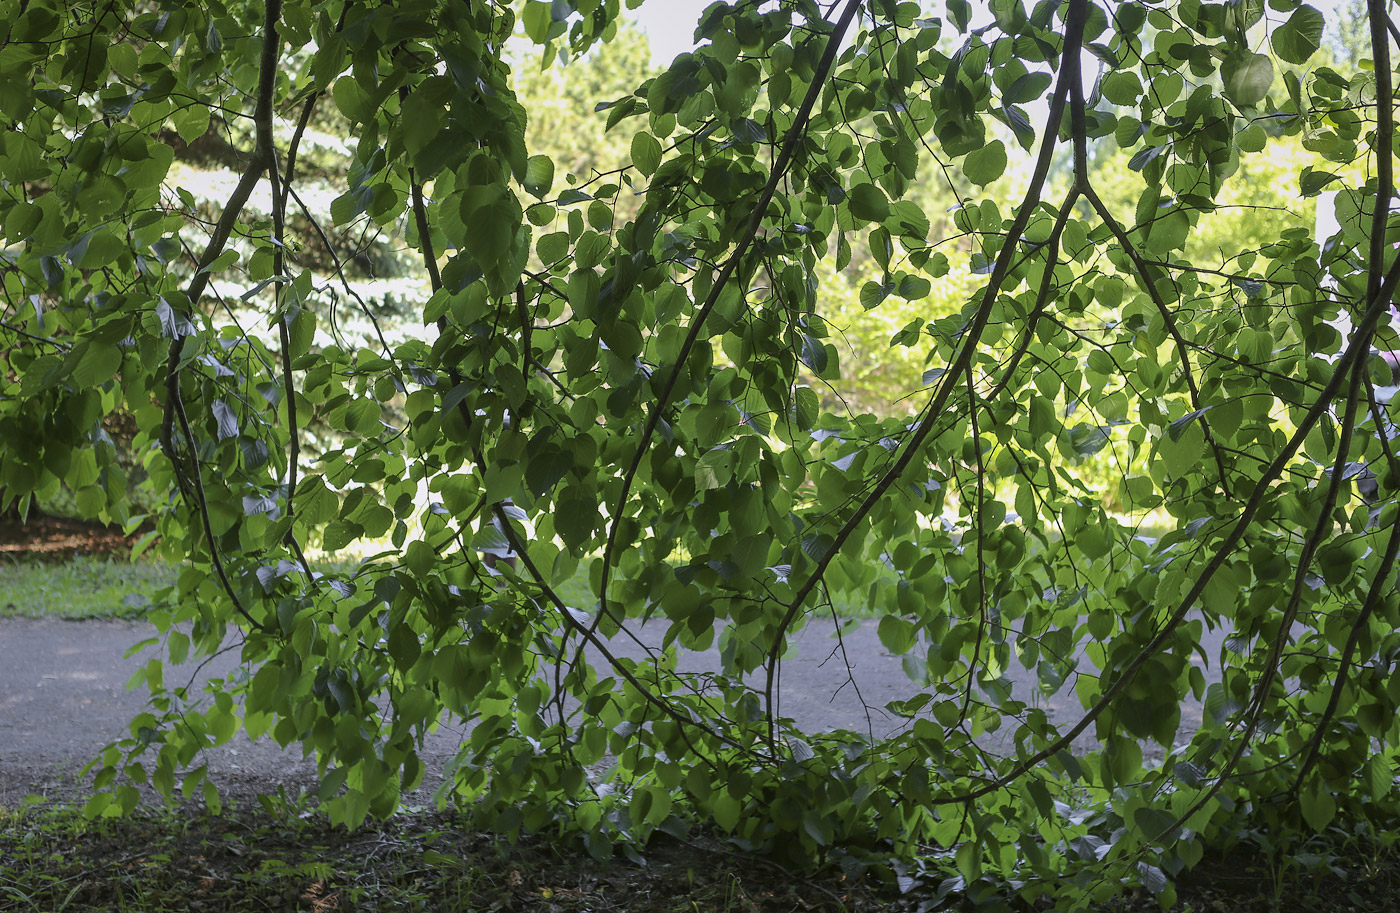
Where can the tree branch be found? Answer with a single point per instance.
(741, 249)
(1355, 350)
(1075, 18)
(261, 160)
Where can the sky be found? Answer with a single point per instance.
(670, 26)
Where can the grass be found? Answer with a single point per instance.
(100, 587)
(85, 587)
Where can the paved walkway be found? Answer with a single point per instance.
(63, 697)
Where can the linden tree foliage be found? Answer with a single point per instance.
(633, 377)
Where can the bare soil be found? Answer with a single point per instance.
(41, 537)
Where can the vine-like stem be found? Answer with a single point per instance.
(62, 347)
(223, 228)
(202, 507)
(1169, 319)
(1262, 688)
(978, 523)
(1374, 594)
(280, 189)
(1079, 130)
(1042, 298)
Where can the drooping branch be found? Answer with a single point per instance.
(1376, 305)
(1042, 297)
(741, 249)
(979, 525)
(1385, 180)
(1356, 350)
(43, 340)
(262, 159)
(1264, 685)
(1169, 319)
(424, 227)
(1075, 18)
(1380, 583)
(1079, 130)
(281, 186)
(202, 509)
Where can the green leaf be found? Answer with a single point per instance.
(173, 324)
(340, 533)
(1318, 806)
(1087, 440)
(1178, 427)
(726, 810)
(1123, 760)
(1027, 88)
(191, 122)
(92, 362)
(350, 204)
(714, 469)
(539, 176)
(985, 165)
(817, 546)
(98, 248)
(898, 635)
(1311, 181)
(1248, 77)
(805, 408)
(873, 294)
(226, 418)
(1122, 88)
(814, 355)
(911, 288)
(545, 470)
(1153, 878)
(538, 18)
(1298, 39)
(491, 218)
(1181, 454)
(1379, 776)
(868, 203)
(1169, 231)
(960, 12)
(404, 646)
(1251, 139)
(352, 100)
(646, 153)
(574, 521)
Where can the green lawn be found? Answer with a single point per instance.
(89, 587)
(85, 587)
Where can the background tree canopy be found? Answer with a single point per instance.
(1008, 320)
